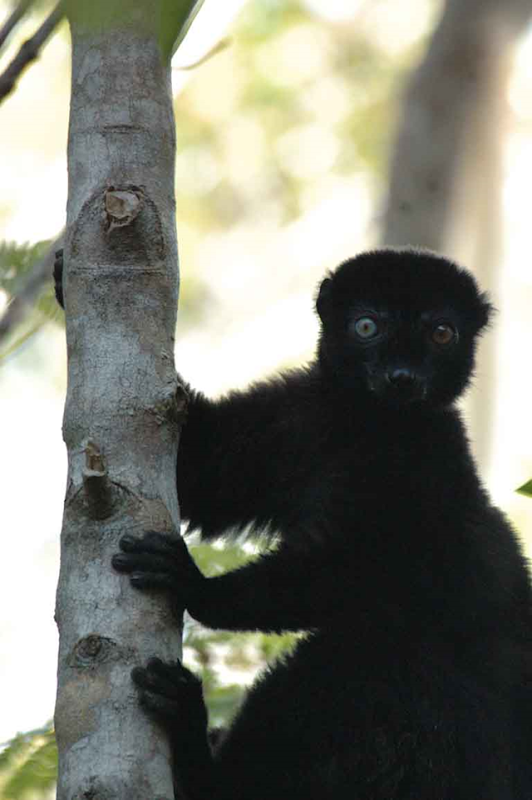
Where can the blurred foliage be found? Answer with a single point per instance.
(294, 100)
(16, 262)
(16, 265)
(28, 765)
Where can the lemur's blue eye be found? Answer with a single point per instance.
(365, 328)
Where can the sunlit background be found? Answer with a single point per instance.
(283, 137)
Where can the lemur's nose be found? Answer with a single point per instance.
(401, 377)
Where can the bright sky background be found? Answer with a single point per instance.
(33, 177)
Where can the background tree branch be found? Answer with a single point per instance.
(29, 51)
(13, 20)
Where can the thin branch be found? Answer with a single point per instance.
(41, 272)
(98, 487)
(29, 51)
(13, 20)
(219, 47)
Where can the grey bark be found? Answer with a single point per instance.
(445, 171)
(122, 408)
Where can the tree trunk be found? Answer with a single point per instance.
(122, 409)
(449, 118)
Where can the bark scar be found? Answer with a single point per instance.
(123, 204)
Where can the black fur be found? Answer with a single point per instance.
(413, 682)
(58, 277)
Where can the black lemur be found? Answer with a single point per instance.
(413, 682)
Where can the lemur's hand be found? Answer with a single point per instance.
(160, 562)
(170, 693)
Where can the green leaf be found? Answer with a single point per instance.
(214, 560)
(28, 764)
(177, 17)
(173, 23)
(13, 750)
(526, 489)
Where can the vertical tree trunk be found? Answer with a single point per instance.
(449, 119)
(122, 410)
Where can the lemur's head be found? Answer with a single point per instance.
(401, 325)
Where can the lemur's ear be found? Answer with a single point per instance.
(323, 299)
(486, 311)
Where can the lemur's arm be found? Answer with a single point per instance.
(281, 591)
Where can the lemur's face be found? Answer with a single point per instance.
(401, 326)
(403, 357)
